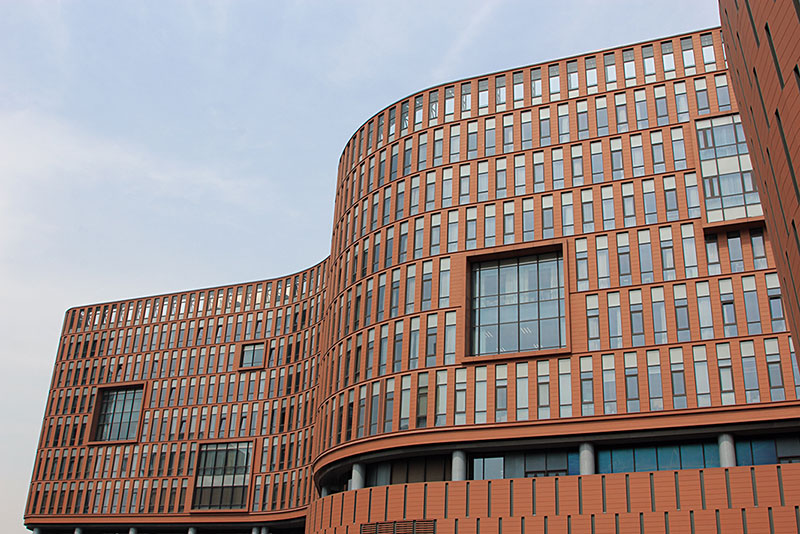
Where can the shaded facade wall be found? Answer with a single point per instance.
(763, 53)
(654, 318)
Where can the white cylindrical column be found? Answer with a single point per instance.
(132, 530)
(358, 476)
(255, 530)
(37, 530)
(727, 451)
(264, 530)
(458, 469)
(192, 530)
(78, 530)
(323, 491)
(586, 458)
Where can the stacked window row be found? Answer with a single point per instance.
(677, 377)
(683, 312)
(532, 86)
(655, 256)
(481, 139)
(535, 172)
(208, 303)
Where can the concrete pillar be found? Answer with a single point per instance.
(458, 469)
(192, 530)
(586, 458)
(132, 530)
(358, 476)
(727, 451)
(255, 530)
(264, 530)
(78, 530)
(323, 491)
(37, 530)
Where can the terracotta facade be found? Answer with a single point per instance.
(550, 305)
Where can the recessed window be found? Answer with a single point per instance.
(253, 355)
(223, 470)
(118, 418)
(518, 305)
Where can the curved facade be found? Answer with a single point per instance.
(550, 304)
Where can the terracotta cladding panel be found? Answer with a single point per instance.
(699, 503)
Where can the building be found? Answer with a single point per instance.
(764, 52)
(550, 305)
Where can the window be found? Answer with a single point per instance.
(692, 195)
(564, 388)
(522, 391)
(472, 140)
(490, 137)
(689, 251)
(489, 225)
(577, 165)
(775, 305)
(728, 308)
(701, 92)
(500, 178)
(667, 253)
(631, 383)
(707, 43)
(649, 63)
(678, 378)
(528, 223)
(645, 257)
(628, 205)
(583, 119)
(592, 323)
(723, 94)
(614, 320)
(587, 388)
(607, 195)
(536, 86)
(704, 310)
(662, 110)
(582, 263)
(466, 100)
(460, 416)
(637, 155)
(587, 211)
(668, 59)
(609, 385)
(544, 126)
(543, 388)
(654, 380)
(629, 67)
(526, 130)
(637, 317)
(548, 230)
(774, 374)
(555, 82)
(603, 264)
(659, 315)
(702, 387)
(782, 450)
(610, 71)
(563, 123)
(118, 414)
(681, 304)
(712, 255)
(567, 216)
(532, 314)
(687, 52)
(557, 162)
(666, 457)
(727, 392)
(751, 392)
(751, 310)
(252, 355)
(681, 102)
(501, 393)
(601, 115)
(223, 471)
(621, 108)
(657, 151)
(757, 246)
(518, 90)
(591, 74)
(455, 145)
(480, 394)
(624, 259)
(640, 99)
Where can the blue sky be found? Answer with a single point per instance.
(156, 146)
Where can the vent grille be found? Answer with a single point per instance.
(400, 527)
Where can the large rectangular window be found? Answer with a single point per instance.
(118, 416)
(518, 305)
(223, 470)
